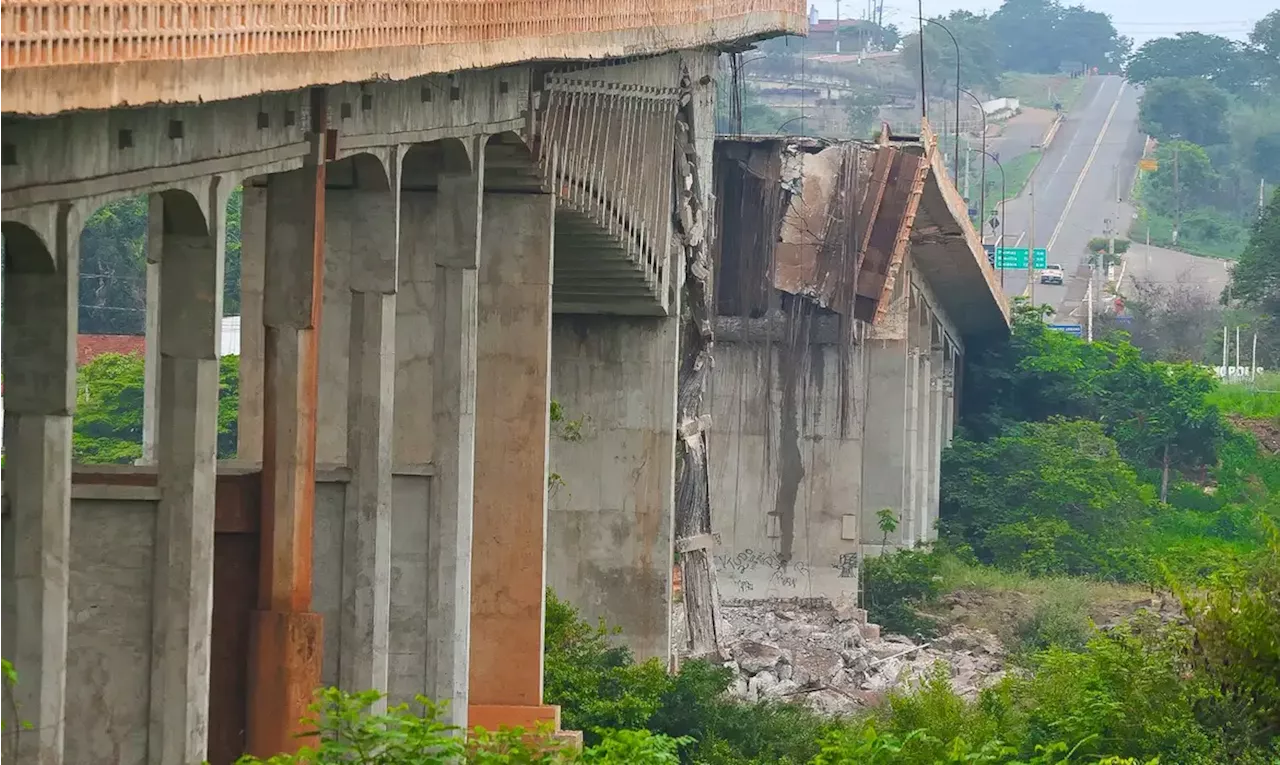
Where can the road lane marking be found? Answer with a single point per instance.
(1088, 163)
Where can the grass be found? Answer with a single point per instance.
(1029, 613)
(1040, 90)
(1228, 239)
(1255, 399)
(1017, 172)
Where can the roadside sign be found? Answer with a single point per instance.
(1016, 257)
(1070, 329)
(1148, 165)
(994, 223)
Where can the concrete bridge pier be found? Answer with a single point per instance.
(287, 635)
(193, 239)
(508, 567)
(40, 310)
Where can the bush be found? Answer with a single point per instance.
(1046, 498)
(349, 733)
(1237, 622)
(896, 584)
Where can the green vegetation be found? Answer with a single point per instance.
(1214, 104)
(108, 420)
(351, 734)
(113, 269)
(1042, 91)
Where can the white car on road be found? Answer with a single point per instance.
(1051, 274)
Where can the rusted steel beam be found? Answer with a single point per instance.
(287, 638)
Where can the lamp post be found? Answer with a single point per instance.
(982, 193)
(1003, 197)
(957, 44)
(924, 99)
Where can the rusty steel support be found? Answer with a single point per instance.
(287, 637)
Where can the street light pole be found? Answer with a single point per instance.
(957, 44)
(924, 98)
(982, 192)
(1003, 196)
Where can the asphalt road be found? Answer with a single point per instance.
(1074, 189)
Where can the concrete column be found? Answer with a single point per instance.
(373, 250)
(911, 460)
(949, 410)
(253, 264)
(925, 446)
(192, 242)
(610, 534)
(937, 418)
(884, 457)
(287, 636)
(508, 573)
(449, 533)
(39, 358)
(151, 363)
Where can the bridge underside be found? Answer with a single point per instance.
(404, 247)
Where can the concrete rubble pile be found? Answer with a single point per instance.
(831, 659)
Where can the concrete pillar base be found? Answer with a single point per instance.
(285, 666)
(495, 716)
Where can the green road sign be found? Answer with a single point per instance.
(1016, 257)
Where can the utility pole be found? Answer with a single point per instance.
(967, 155)
(837, 26)
(1088, 295)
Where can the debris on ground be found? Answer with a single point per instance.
(831, 659)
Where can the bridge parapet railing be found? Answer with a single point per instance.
(606, 140)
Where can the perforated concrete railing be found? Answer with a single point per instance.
(59, 32)
(606, 141)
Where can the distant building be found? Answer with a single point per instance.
(822, 34)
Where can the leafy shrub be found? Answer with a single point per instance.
(1047, 498)
(896, 584)
(1056, 624)
(1237, 623)
(349, 733)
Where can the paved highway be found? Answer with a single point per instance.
(1074, 188)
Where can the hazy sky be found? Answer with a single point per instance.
(1139, 19)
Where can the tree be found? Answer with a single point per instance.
(1195, 181)
(1193, 55)
(979, 61)
(113, 266)
(862, 108)
(113, 269)
(1042, 36)
(1266, 157)
(1050, 497)
(1255, 280)
(1038, 374)
(1265, 40)
(109, 405)
(1173, 321)
(1186, 108)
(109, 402)
(1159, 415)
